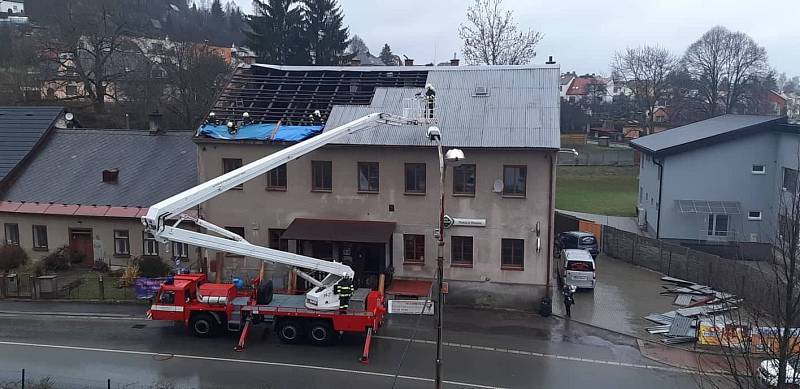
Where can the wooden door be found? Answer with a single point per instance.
(81, 241)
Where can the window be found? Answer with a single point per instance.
(40, 237)
(717, 225)
(754, 215)
(321, 176)
(415, 178)
(71, 90)
(12, 233)
(464, 180)
(512, 255)
(790, 180)
(641, 191)
(238, 231)
(276, 178)
(231, 164)
(514, 179)
(461, 251)
(149, 244)
(180, 250)
(368, 177)
(166, 298)
(275, 241)
(414, 247)
(122, 242)
(759, 169)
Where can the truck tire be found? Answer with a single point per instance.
(290, 331)
(264, 295)
(321, 333)
(203, 325)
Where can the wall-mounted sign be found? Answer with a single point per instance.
(469, 222)
(411, 307)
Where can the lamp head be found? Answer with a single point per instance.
(454, 155)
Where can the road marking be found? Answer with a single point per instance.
(540, 355)
(73, 315)
(247, 361)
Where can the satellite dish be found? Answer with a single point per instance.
(498, 185)
(69, 116)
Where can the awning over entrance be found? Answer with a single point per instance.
(705, 206)
(339, 230)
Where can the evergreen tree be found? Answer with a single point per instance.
(217, 13)
(276, 33)
(387, 57)
(326, 38)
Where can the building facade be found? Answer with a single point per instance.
(718, 183)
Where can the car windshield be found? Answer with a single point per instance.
(587, 240)
(580, 265)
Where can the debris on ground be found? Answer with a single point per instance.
(697, 302)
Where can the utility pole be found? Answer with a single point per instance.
(440, 269)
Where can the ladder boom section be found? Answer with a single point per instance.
(250, 250)
(154, 221)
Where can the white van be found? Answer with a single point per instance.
(577, 268)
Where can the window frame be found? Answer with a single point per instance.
(231, 229)
(15, 227)
(321, 164)
(377, 177)
(713, 225)
(524, 170)
(424, 170)
(275, 175)
(228, 169)
(282, 244)
(152, 240)
(463, 179)
(184, 250)
(36, 241)
(761, 171)
(755, 218)
(792, 188)
(418, 247)
(460, 248)
(503, 260)
(126, 239)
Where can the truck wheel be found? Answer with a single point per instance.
(289, 331)
(203, 325)
(321, 333)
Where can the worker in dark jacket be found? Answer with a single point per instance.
(568, 291)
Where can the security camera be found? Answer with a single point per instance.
(434, 133)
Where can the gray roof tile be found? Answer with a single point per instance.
(21, 129)
(68, 169)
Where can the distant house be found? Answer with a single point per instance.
(601, 89)
(776, 103)
(718, 183)
(12, 7)
(87, 189)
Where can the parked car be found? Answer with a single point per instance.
(576, 267)
(577, 240)
(768, 372)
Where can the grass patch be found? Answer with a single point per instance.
(604, 190)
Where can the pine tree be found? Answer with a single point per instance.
(387, 57)
(276, 33)
(327, 39)
(217, 13)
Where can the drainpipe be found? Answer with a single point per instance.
(660, 185)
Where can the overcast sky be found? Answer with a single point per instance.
(581, 35)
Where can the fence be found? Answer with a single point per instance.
(38, 379)
(83, 286)
(610, 157)
(739, 277)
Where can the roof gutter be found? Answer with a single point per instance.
(660, 185)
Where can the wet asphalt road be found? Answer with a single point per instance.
(486, 349)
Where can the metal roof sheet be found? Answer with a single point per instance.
(705, 130)
(21, 129)
(68, 168)
(521, 110)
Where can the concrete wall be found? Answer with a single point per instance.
(58, 228)
(257, 209)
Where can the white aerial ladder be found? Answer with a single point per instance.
(322, 297)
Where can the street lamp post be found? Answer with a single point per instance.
(452, 155)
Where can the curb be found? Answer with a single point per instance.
(75, 301)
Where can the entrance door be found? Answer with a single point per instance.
(80, 240)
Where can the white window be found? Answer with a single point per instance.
(754, 215)
(717, 225)
(40, 237)
(759, 169)
(180, 250)
(149, 245)
(122, 242)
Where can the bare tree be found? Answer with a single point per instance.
(646, 71)
(491, 36)
(723, 62)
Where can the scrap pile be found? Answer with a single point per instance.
(698, 302)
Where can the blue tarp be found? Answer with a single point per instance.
(261, 132)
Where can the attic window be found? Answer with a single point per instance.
(111, 176)
(481, 91)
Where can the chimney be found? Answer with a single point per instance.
(409, 62)
(111, 176)
(355, 62)
(454, 62)
(550, 61)
(154, 122)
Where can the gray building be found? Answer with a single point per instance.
(717, 184)
(371, 199)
